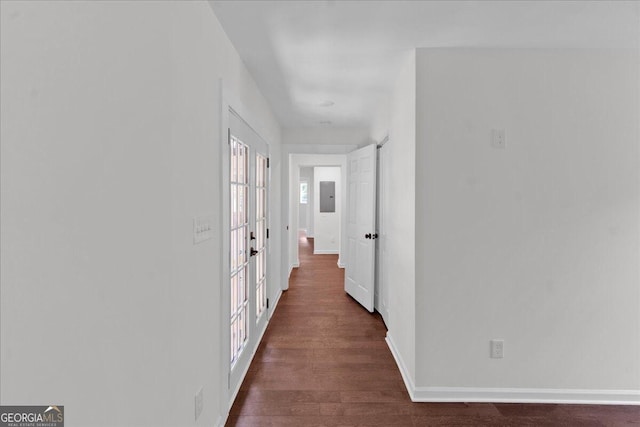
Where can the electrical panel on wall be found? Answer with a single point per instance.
(327, 196)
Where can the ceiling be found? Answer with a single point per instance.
(332, 63)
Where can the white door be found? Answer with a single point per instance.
(359, 281)
(248, 182)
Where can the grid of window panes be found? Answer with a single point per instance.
(261, 231)
(239, 268)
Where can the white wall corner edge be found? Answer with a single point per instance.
(341, 264)
(510, 395)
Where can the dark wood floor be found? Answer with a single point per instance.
(324, 362)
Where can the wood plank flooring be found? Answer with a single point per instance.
(324, 362)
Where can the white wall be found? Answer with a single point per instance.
(327, 224)
(110, 133)
(398, 120)
(538, 243)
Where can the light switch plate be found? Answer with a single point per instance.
(498, 139)
(202, 228)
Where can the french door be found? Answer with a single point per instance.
(248, 233)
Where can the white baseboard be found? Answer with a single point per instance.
(340, 264)
(510, 395)
(325, 252)
(408, 382)
(291, 267)
(274, 304)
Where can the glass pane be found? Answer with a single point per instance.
(234, 205)
(245, 317)
(240, 163)
(246, 211)
(245, 287)
(241, 205)
(233, 242)
(241, 330)
(240, 286)
(234, 295)
(242, 245)
(246, 164)
(234, 161)
(233, 349)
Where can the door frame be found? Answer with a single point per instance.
(381, 301)
(229, 102)
(297, 161)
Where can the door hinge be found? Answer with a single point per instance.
(267, 233)
(267, 162)
(229, 136)
(267, 302)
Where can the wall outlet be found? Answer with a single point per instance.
(199, 403)
(497, 349)
(498, 139)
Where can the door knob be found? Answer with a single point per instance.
(367, 236)
(253, 252)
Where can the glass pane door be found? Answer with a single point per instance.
(248, 248)
(261, 232)
(239, 268)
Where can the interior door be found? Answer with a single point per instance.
(249, 182)
(359, 279)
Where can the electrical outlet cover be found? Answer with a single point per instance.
(497, 349)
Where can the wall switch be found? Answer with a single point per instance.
(498, 139)
(199, 403)
(203, 228)
(497, 349)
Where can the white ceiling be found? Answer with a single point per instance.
(307, 54)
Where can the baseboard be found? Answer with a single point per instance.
(291, 267)
(522, 395)
(510, 395)
(274, 304)
(325, 252)
(340, 264)
(408, 382)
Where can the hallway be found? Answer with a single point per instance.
(324, 362)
